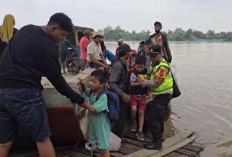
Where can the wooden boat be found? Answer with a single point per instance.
(63, 122)
(66, 128)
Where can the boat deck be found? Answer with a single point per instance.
(180, 145)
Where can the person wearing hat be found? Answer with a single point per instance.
(94, 51)
(84, 42)
(161, 85)
(120, 42)
(119, 83)
(159, 38)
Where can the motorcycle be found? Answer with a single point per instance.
(73, 62)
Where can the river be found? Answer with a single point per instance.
(205, 78)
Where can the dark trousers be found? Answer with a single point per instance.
(94, 65)
(155, 113)
(119, 124)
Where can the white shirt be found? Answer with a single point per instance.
(95, 50)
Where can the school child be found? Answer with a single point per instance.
(138, 95)
(99, 125)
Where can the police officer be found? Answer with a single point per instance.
(161, 84)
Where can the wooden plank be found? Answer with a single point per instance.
(175, 147)
(168, 143)
(186, 152)
(131, 146)
(193, 149)
(201, 148)
(135, 142)
(126, 150)
(116, 154)
(96, 154)
(174, 154)
(61, 154)
(73, 153)
(133, 136)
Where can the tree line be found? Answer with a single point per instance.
(113, 34)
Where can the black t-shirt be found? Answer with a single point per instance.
(30, 55)
(138, 90)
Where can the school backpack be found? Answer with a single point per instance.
(113, 104)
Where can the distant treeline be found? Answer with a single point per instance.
(113, 34)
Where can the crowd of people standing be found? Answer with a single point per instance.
(33, 52)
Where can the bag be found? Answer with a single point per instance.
(115, 144)
(113, 104)
(176, 89)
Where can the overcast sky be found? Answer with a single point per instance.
(129, 14)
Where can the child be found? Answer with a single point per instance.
(99, 125)
(138, 94)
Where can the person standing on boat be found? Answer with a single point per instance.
(94, 51)
(84, 42)
(161, 85)
(141, 49)
(161, 39)
(119, 83)
(31, 54)
(7, 31)
(147, 44)
(64, 52)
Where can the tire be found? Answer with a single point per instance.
(76, 66)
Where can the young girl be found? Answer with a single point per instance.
(99, 125)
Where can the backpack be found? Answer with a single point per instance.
(113, 104)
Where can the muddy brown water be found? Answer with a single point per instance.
(204, 72)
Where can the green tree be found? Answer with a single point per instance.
(113, 34)
(210, 35)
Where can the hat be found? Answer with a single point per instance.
(123, 49)
(120, 40)
(95, 34)
(155, 49)
(158, 23)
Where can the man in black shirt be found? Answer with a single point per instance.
(32, 53)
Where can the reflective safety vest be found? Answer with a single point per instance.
(167, 85)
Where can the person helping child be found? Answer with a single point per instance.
(161, 84)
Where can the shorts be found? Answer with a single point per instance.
(94, 65)
(25, 107)
(138, 101)
(64, 56)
